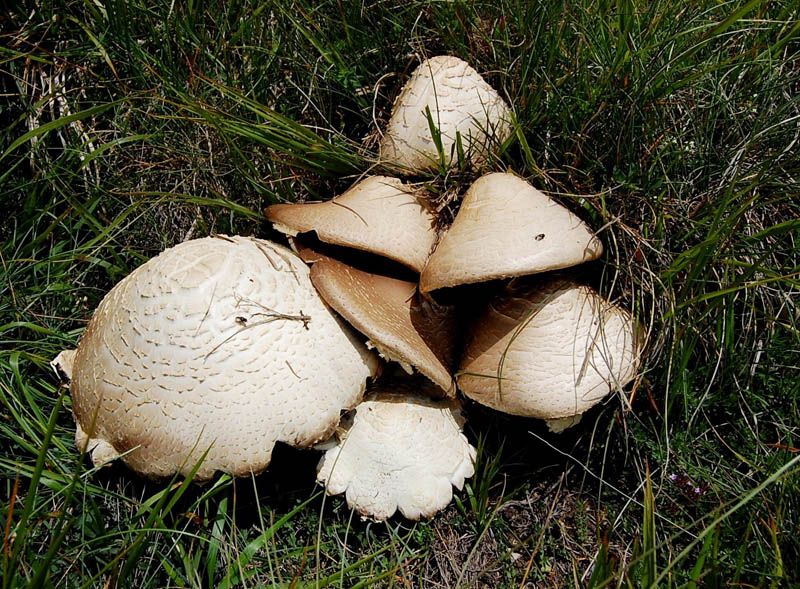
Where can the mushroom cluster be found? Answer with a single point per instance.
(219, 347)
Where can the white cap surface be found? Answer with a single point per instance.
(460, 102)
(550, 349)
(401, 451)
(504, 228)
(380, 214)
(218, 344)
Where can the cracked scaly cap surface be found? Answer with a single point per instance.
(460, 102)
(218, 344)
(400, 451)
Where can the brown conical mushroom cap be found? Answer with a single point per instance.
(219, 345)
(504, 228)
(460, 102)
(402, 327)
(550, 349)
(400, 450)
(379, 214)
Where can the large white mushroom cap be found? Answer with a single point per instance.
(401, 450)
(460, 102)
(218, 344)
(550, 348)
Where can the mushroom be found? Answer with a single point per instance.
(549, 348)
(399, 450)
(505, 228)
(210, 333)
(236, 330)
(380, 214)
(462, 105)
(62, 365)
(403, 328)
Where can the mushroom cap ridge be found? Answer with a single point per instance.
(557, 347)
(214, 332)
(402, 326)
(379, 214)
(401, 450)
(505, 228)
(460, 102)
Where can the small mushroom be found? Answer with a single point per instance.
(549, 348)
(62, 365)
(380, 214)
(217, 345)
(400, 450)
(399, 324)
(506, 228)
(461, 104)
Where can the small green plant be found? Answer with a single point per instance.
(480, 490)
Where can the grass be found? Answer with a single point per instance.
(673, 126)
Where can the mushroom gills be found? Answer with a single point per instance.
(403, 327)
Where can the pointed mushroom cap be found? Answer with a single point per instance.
(504, 228)
(400, 451)
(399, 324)
(460, 102)
(557, 347)
(220, 345)
(379, 214)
